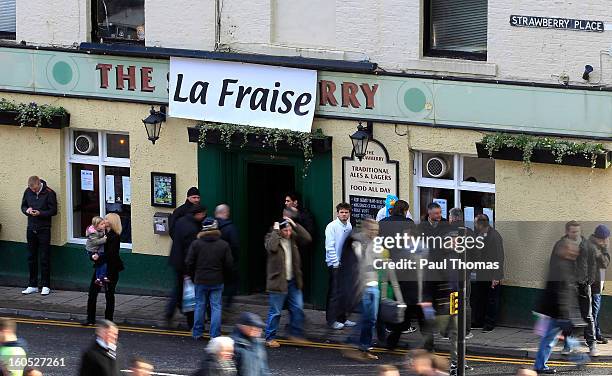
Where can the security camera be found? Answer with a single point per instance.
(587, 70)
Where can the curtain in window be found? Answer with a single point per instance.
(7, 16)
(459, 25)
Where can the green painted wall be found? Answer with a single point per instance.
(70, 269)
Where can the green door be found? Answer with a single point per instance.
(253, 182)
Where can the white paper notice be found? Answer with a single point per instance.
(443, 205)
(87, 180)
(468, 216)
(127, 190)
(110, 189)
(489, 213)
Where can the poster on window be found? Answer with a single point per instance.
(163, 189)
(87, 180)
(468, 216)
(127, 190)
(110, 189)
(489, 213)
(367, 183)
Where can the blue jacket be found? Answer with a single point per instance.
(250, 355)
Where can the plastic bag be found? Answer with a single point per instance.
(542, 323)
(188, 296)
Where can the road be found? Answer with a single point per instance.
(176, 353)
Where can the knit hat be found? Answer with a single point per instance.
(193, 191)
(210, 224)
(602, 232)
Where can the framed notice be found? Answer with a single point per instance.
(366, 183)
(163, 189)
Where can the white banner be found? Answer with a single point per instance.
(240, 93)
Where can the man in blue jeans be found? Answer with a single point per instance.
(599, 243)
(359, 275)
(209, 260)
(559, 303)
(284, 279)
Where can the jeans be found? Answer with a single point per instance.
(596, 304)
(370, 300)
(295, 301)
(101, 270)
(203, 295)
(109, 294)
(586, 311)
(549, 340)
(39, 241)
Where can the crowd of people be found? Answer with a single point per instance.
(205, 253)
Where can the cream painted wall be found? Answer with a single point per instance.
(171, 153)
(24, 154)
(58, 23)
(180, 24)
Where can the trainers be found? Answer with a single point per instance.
(273, 344)
(593, 351)
(566, 350)
(349, 323)
(99, 282)
(337, 325)
(469, 335)
(412, 329)
(45, 291)
(487, 329)
(602, 340)
(30, 290)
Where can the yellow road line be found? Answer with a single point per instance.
(183, 333)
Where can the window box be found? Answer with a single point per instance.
(57, 121)
(545, 156)
(213, 137)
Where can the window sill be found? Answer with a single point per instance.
(479, 68)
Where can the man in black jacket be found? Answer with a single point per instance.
(186, 231)
(193, 199)
(208, 261)
(101, 358)
(486, 291)
(229, 233)
(39, 204)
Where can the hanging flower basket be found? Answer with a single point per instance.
(528, 149)
(33, 115)
(272, 139)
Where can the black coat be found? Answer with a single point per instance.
(45, 202)
(96, 361)
(177, 214)
(493, 251)
(229, 233)
(185, 232)
(111, 252)
(559, 298)
(209, 259)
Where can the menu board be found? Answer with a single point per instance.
(367, 183)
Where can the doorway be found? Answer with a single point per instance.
(267, 185)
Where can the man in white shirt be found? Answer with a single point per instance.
(336, 233)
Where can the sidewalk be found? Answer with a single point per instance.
(149, 311)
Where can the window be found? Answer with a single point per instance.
(118, 21)
(453, 181)
(8, 24)
(456, 29)
(99, 181)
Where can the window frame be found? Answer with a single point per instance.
(101, 161)
(94, 30)
(457, 184)
(428, 51)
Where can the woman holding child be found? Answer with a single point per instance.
(114, 266)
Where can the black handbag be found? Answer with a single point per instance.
(393, 311)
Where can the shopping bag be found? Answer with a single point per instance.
(541, 326)
(188, 296)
